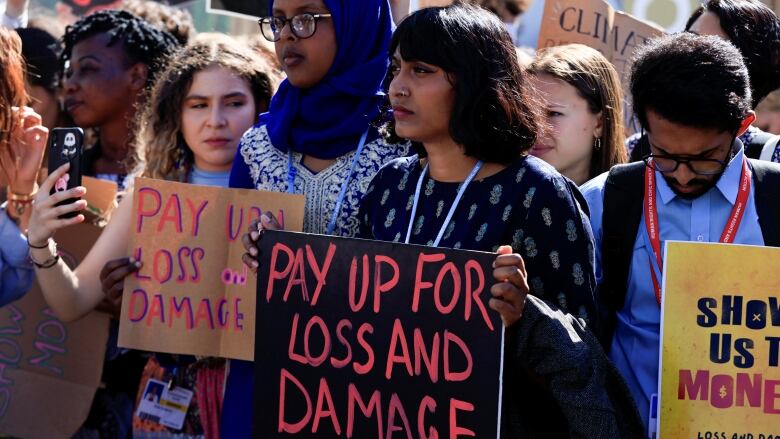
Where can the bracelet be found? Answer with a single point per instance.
(35, 246)
(52, 261)
(21, 198)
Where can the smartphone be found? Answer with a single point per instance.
(65, 146)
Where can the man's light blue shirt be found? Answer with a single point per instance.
(16, 272)
(636, 342)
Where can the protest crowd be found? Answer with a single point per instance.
(560, 157)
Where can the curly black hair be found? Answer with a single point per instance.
(140, 41)
(692, 80)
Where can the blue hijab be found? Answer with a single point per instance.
(327, 120)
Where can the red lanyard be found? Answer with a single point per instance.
(651, 219)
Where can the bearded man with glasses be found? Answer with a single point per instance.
(692, 96)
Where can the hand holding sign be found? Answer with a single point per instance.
(112, 280)
(512, 287)
(267, 221)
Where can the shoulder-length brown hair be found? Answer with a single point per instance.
(12, 92)
(596, 81)
(164, 153)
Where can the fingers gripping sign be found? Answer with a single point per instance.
(512, 288)
(267, 221)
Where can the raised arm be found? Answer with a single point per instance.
(72, 294)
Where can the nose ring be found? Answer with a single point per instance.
(403, 93)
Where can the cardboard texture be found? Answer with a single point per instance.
(362, 339)
(720, 336)
(49, 370)
(100, 196)
(194, 294)
(596, 24)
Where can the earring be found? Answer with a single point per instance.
(597, 143)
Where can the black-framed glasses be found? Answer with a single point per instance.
(669, 163)
(301, 25)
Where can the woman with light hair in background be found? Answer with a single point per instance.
(583, 104)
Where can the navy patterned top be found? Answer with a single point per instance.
(528, 205)
(259, 165)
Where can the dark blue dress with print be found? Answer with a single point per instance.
(531, 207)
(528, 205)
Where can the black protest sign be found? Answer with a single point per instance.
(365, 339)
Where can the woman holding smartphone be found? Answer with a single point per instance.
(212, 89)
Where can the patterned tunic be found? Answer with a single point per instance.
(265, 168)
(528, 205)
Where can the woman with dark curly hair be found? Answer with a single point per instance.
(109, 61)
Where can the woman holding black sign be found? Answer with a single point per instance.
(473, 186)
(319, 137)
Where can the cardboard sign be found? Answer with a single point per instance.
(50, 370)
(362, 339)
(720, 333)
(194, 295)
(100, 196)
(596, 24)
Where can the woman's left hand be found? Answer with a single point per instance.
(512, 287)
(28, 143)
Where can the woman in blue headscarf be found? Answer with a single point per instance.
(319, 137)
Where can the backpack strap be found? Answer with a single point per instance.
(753, 149)
(623, 195)
(769, 149)
(767, 198)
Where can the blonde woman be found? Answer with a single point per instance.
(198, 109)
(582, 99)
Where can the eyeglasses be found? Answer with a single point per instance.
(668, 163)
(301, 25)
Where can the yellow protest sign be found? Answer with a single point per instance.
(720, 342)
(194, 295)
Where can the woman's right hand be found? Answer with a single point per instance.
(267, 221)
(44, 220)
(112, 281)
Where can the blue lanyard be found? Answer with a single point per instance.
(292, 172)
(454, 206)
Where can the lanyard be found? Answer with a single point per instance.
(652, 226)
(292, 172)
(454, 206)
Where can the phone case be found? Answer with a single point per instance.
(65, 146)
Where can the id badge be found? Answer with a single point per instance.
(164, 406)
